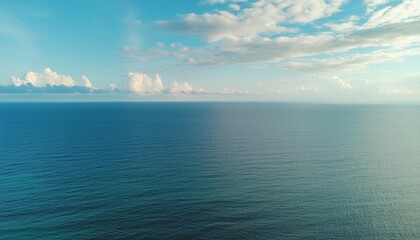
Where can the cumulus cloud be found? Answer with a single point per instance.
(48, 81)
(141, 83)
(180, 88)
(44, 78)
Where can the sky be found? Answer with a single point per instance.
(340, 51)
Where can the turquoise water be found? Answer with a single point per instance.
(209, 171)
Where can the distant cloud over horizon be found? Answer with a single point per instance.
(29, 88)
(282, 49)
(48, 81)
(44, 78)
(141, 83)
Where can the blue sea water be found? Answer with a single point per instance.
(209, 171)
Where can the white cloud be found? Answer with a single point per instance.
(289, 33)
(254, 32)
(180, 88)
(215, 1)
(44, 78)
(113, 86)
(407, 10)
(352, 62)
(332, 85)
(231, 91)
(50, 82)
(354, 89)
(141, 83)
(345, 26)
(86, 82)
(373, 4)
(345, 84)
(263, 17)
(235, 7)
(391, 35)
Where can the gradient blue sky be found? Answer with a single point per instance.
(290, 50)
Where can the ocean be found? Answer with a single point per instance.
(209, 171)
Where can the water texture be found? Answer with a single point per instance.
(209, 171)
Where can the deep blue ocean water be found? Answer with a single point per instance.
(209, 171)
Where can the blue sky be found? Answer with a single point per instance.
(286, 50)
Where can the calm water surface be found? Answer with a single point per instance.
(209, 171)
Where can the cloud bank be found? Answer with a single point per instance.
(48, 81)
(141, 83)
(44, 78)
(180, 88)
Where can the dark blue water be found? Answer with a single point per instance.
(209, 171)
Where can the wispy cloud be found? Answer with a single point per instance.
(263, 17)
(281, 48)
(407, 10)
(352, 62)
(300, 47)
(371, 5)
(253, 37)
